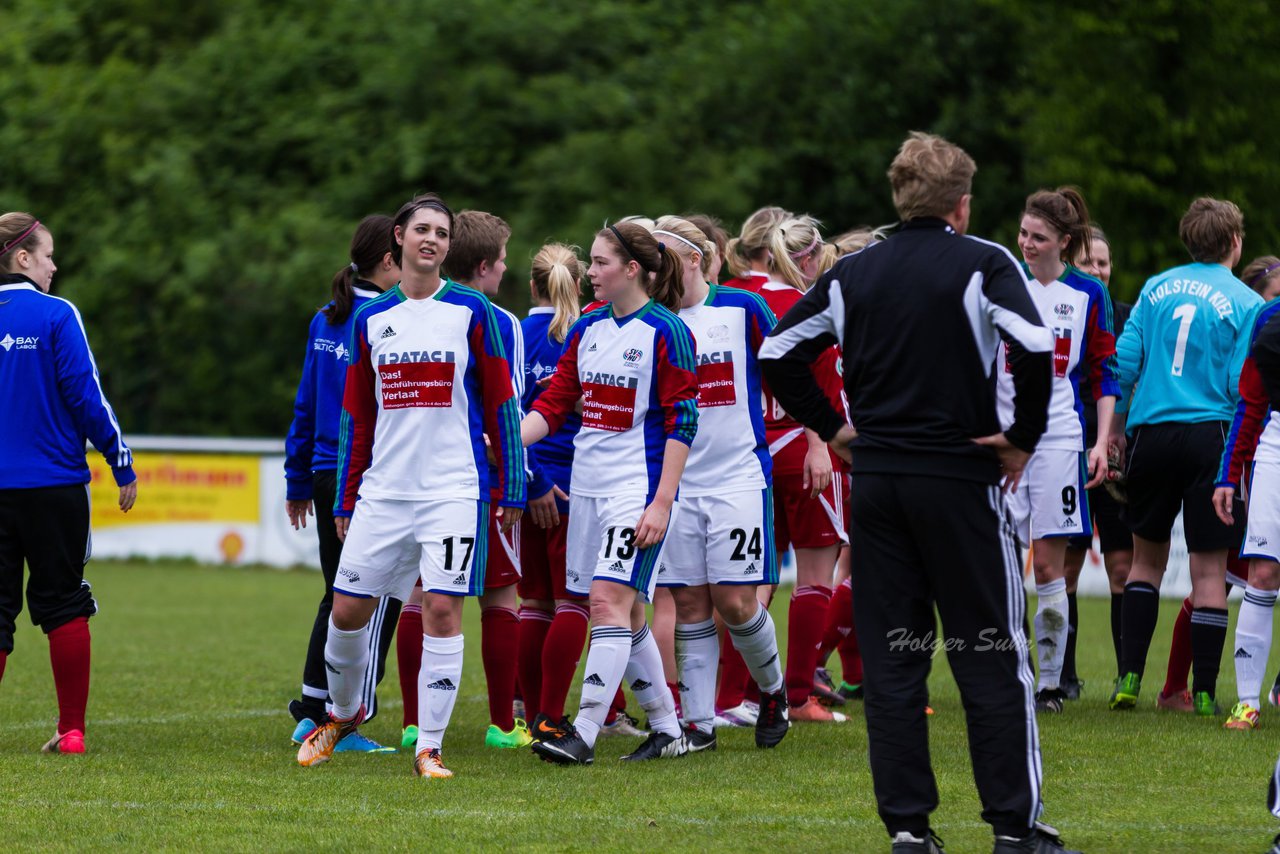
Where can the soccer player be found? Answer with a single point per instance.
(1051, 505)
(478, 258)
(553, 621)
(1114, 537)
(810, 484)
(631, 363)
(720, 545)
(52, 401)
(1255, 427)
(311, 459)
(748, 254)
(428, 382)
(1184, 346)
(928, 525)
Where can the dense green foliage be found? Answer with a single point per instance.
(202, 165)
(188, 750)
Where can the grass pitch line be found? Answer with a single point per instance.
(163, 720)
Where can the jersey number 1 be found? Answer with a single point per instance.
(1185, 313)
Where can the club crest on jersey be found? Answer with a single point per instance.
(719, 332)
(1064, 310)
(633, 355)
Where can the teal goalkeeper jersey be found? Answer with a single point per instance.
(1184, 345)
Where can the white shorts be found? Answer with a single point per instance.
(721, 539)
(1051, 501)
(391, 544)
(601, 544)
(1262, 534)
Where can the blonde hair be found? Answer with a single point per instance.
(556, 275)
(753, 239)
(791, 242)
(638, 219)
(929, 176)
(687, 231)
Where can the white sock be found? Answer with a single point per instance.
(1051, 631)
(645, 676)
(756, 641)
(1253, 643)
(697, 657)
(439, 678)
(346, 655)
(606, 661)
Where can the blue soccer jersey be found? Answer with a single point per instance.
(1184, 346)
(551, 460)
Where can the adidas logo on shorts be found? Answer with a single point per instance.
(461, 579)
(388, 333)
(594, 679)
(617, 566)
(751, 569)
(640, 685)
(1243, 653)
(445, 684)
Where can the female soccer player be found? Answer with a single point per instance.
(631, 363)
(52, 401)
(553, 620)
(1114, 537)
(311, 460)
(429, 381)
(810, 486)
(720, 546)
(748, 254)
(1050, 504)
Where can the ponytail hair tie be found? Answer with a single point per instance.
(354, 268)
(662, 247)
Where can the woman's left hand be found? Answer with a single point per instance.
(128, 495)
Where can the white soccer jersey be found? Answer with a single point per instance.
(637, 382)
(730, 452)
(428, 380)
(1076, 307)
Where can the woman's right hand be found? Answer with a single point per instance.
(543, 510)
(298, 512)
(341, 524)
(817, 469)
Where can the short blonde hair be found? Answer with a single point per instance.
(929, 176)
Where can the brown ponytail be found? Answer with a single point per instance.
(371, 243)
(663, 282)
(1064, 210)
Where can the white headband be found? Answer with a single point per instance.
(695, 247)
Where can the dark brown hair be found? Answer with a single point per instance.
(406, 212)
(371, 243)
(661, 266)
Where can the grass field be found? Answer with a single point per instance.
(189, 749)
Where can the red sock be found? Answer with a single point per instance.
(618, 706)
(409, 659)
(4, 657)
(734, 675)
(806, 621)
(534, 625)
(839, 621)
(1175, 677)
(69, 655)
(500, 649)
(850, 660)
(561, 652)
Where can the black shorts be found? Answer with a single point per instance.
(48, 528)
(1113, 534)
(1173, 467)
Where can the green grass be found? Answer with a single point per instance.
(188, 749)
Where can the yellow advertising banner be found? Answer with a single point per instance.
(178, 488)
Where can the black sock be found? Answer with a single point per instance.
(1069, 654)
(1208, 635)
(1117, 610)
(1140, 610)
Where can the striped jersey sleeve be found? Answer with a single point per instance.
(1251, 411)
(1100, 344)
(677, 379)
(813, 325)
(500, 404)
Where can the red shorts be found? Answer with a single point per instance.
(503, 569)
(542, 556)
(810, 523)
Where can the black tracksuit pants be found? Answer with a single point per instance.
(924, 542)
